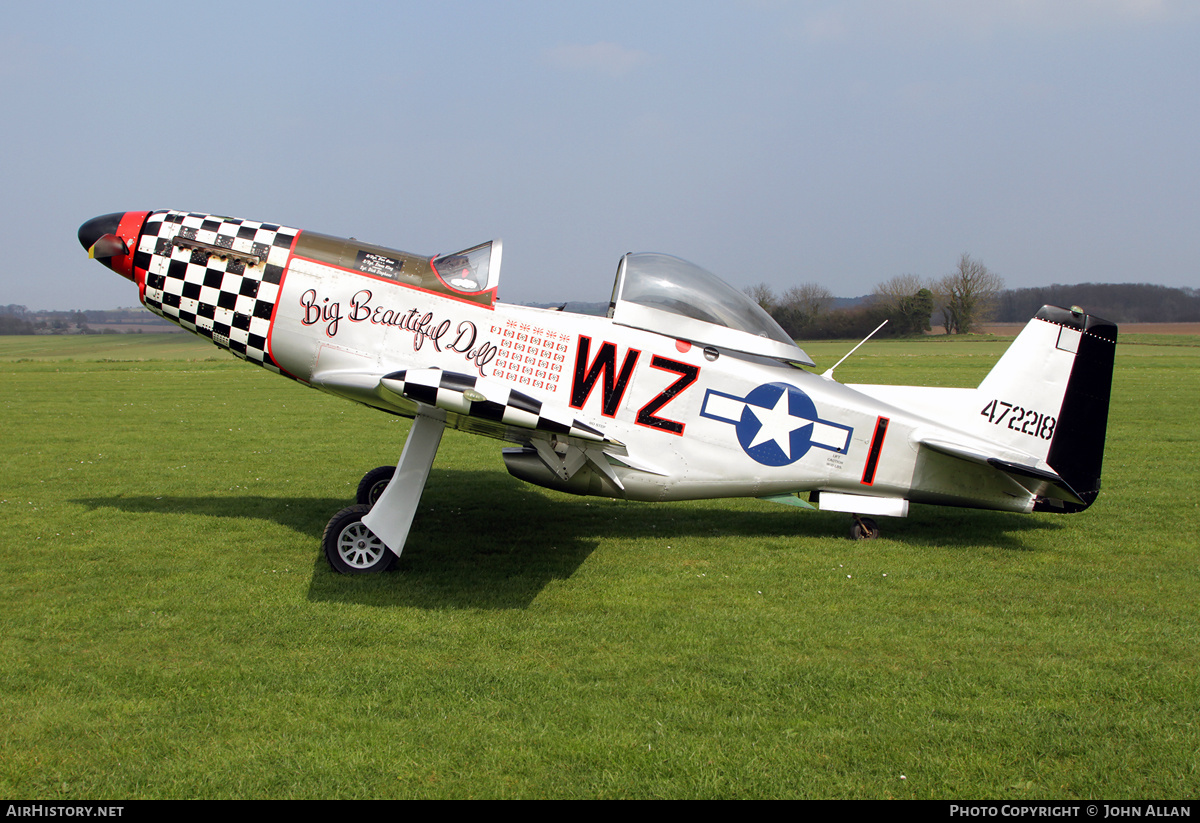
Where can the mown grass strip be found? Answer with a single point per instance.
(172, 631)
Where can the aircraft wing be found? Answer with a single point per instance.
(474, 404)
(1040, 480)
(488, 405)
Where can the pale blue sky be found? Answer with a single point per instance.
(841, 143)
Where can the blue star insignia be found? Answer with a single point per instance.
(776, 424)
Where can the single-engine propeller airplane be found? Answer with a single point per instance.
(686, 390)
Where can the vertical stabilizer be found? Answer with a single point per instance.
(1049, 396)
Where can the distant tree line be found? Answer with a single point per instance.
(11, 324)
(17, 319)
(962, 301)
(1119, 302)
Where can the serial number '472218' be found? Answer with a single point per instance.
(1025, 421)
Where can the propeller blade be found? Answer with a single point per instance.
(108, 246)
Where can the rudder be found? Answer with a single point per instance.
(1077, 448)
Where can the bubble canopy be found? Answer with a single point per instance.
(670, 296)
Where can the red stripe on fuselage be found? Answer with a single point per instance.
(881, 427)
(275, 308)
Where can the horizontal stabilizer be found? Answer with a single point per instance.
(1039, 481)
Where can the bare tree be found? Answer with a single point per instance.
(891, 292)
(810, 300)
(762, 295)
(967, 296)
(796, 308)
(908, 303)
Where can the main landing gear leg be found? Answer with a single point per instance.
(392, 515)
(390, 519)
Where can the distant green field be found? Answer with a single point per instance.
(172, 631)
(108, 347)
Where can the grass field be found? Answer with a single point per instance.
(172, 631)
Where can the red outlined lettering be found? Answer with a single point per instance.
(646, 415)
(604, 367)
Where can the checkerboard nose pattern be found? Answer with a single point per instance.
(216, 276)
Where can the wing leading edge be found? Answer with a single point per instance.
(475, 404)
(490, 407)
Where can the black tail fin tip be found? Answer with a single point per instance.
(1077, 447)
(1075, 318)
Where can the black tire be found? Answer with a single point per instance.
(373, 484)
(351, 548)
(863, 528)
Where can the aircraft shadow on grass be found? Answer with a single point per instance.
(482, 540)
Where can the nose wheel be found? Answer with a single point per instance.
(352, 548)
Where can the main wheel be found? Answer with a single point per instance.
(863, 528)
(373, 484)
(352, 548)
